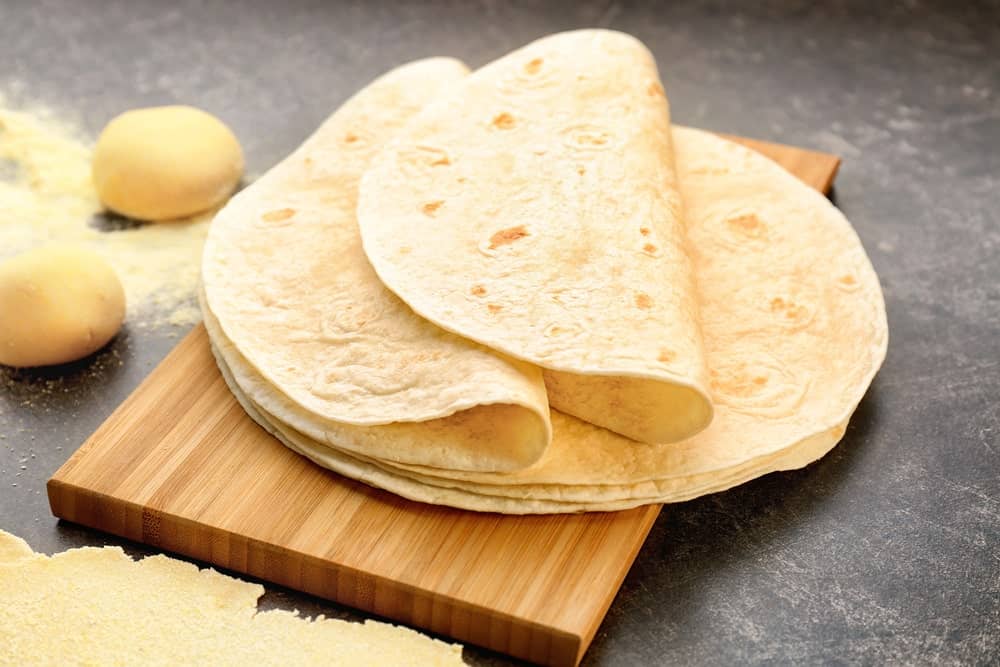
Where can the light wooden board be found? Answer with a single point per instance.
(180, 467)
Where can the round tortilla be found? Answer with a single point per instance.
(792, 317)
(285, 275)
(534, 208)
(795, 329)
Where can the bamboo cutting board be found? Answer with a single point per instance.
(180, 467)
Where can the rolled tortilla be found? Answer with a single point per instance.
(533, 208)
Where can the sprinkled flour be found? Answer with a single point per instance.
(46, 196)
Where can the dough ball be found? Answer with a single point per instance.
(57, 304)
(163, 163)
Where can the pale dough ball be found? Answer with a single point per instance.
(57, 304)
(163, 163)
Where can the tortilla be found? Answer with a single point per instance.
(97, 606)
(511, 499)
(792, 343)
(285, 275)
(792, 316)
(534, 208)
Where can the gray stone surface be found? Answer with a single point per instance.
(887, 550)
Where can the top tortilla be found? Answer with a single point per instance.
(287, 280)
(534, 208)
(793, 319)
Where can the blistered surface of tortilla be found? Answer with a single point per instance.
(286, 278)
(534, 208)
(475, 438)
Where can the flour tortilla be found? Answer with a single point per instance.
(285, 276)
(811, 335)
(534, 209)
(792, 316)
(511, 499)
(96, 606)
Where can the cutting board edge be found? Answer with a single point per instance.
(591, 631)
(549, 645)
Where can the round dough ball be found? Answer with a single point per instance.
(57, 304)
(163, 163)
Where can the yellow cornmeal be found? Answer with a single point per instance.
(94, 606)
(46, 195)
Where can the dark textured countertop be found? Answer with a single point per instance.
(888, 549)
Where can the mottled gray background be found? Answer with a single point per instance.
(887, 550)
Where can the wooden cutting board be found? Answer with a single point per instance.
(180, 467)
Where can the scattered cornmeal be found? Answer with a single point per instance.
(57, 304)
(98, 606)
(47, 195)
(164, 163)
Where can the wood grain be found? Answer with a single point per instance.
(180, 467)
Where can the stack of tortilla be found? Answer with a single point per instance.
(522, 290)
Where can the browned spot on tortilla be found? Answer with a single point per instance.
(431, 207)
(477, 290)
(777, 303)
(503, 121)
(748, 224)
(737, 383)
(350, 138)
(666, 355)
(278, 215)
(442, 161)
(644, 231)
(655, 89)
(581, 170)
(848, 280)
(533, 66)
(506, 236)
(591, 138)
(792, 311)
(405, 250)
(649, 248)
(643, 300)
(494, 308)
(796, 313)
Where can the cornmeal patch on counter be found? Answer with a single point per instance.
(98, 606)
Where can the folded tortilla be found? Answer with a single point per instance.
(285, 277)
(513, 498)
(793, 320)
(534, 208)
(794, 325)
